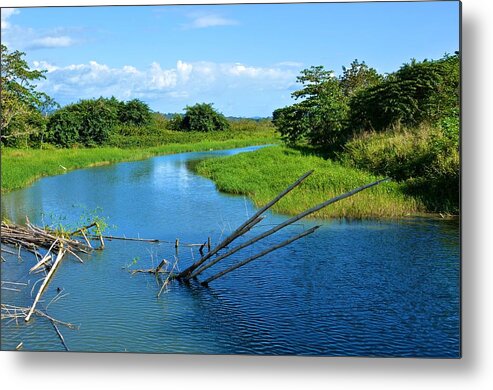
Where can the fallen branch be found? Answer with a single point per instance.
(241, 229)
(6, 313)
(284, 224)
(46, 281)
(170, 277)
(263, 253)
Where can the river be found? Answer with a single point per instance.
(353, 288)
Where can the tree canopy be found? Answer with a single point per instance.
(20, 101)
(200, 117)
(418, 92)
(320, 116)
(90, 122)
(329, 109)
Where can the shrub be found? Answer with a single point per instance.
(88, 122)
(418, 92)
(426, 159)
(63, 128)
(201, 117)
(134, 112)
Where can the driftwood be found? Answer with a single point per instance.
(8, 251)
(176, 243)
(263, 253)
(11, 311)
(283, 225)
(60, 336)
(16, 312)
(46, 281)
(168, 278)
(243, 228)
(34, 238)
(206, 261)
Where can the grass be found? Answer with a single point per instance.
(425, 159)
(21, 167)
(264, 173)
(158, 134)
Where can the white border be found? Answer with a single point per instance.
(177, 372)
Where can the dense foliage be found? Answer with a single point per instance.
(418, 92)
(320, 116)
(134, 112)
(87, 122)
(201, 117)
(90, 122)
(404, 125)
(333, 109)
(22, 105)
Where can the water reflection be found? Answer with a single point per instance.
(388, 288)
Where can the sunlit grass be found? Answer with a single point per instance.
(21, 167)
(264, 173)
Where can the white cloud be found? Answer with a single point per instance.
(185, 82)
(184, 70)
(6, 14)
(239, 70)
(208, 20)
(50, 42)
(293, 64)
(20, 38)
(161, 79)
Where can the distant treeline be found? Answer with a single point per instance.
(33, 119)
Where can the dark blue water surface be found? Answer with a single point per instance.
(359, 288)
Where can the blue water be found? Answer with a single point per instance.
(359, 288)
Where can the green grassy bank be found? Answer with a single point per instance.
(21, 167)
(264, 173)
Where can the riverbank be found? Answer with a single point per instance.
(262, 174)
(21, 167)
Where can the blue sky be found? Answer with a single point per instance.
(242, 58)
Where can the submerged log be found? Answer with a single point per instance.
(284, 224)
(258, 255)
(243, 228)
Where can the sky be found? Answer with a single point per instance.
(243, 58)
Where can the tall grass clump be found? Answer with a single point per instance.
(425, 159)
(262, 174)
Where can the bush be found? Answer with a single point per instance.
(201, 118)
(88, 122)
(134, 112)
(418, 92)
(426, 159)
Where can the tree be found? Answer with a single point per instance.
(418, 92)
(88, 122)
(358, 77)
(320, 117)
(19, 98)
(201, 117)
(134, 112)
